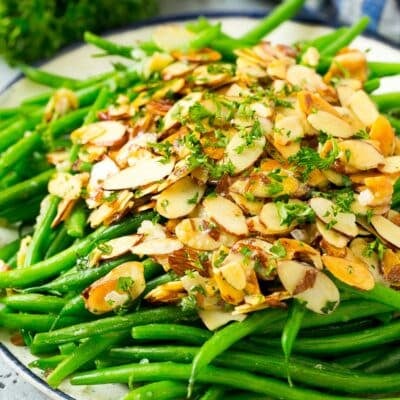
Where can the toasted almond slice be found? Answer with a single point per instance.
(119, 246)
(198, 233)
(309, 285)
(214, 319)
(250, 206)
(363, 107)
(233, 272)
(67, 186)
(304, 77)
(248, 68)
(180, 109)
(157, 247)
(241, 155)
(124, 283)
(332, 125)
(177, 69)
(180, 198)
(383, 132)
(391, 267)
(226, 214)
(310, 102)
(288, 128)
(181, 169)
(145, 171)
(170, 292)
(350, 272)
(156, 62)
(391, 165)
(103, 133)
(228, 293)
(270, 218)
(358, 247)
(331, 236)
(172, 37)
(256, 226)
(387, 229)
(340, 221)
(204, 75)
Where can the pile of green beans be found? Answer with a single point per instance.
(289, 354)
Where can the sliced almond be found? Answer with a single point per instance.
(332, 125)
(226, 214)
(180, 198)
(172, 37)
(358, 247)
(256, 226)
(214, 319)
(119, 246)
(170, 292)
(363, 107)
(241, 155)
(198, 233)
(103, 133)
(391, 267)
(391, 165)
(157, 247)
(67, 186)
(288, 129)
(383, 132)
(249, 206)
(331, 236)
(144, 171)
(180, 110)
(123, 284)
(204, 75)
(304, 77)
(340, 221)
(387, 229)
(350, 272)
(177, 69)
(311, 286)
(270, 218)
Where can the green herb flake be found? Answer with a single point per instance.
(125, 284)
(278, 250)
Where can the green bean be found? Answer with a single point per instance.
(206, 37)
(247, 396)
(9, 249)
(346, 38)
(47, 78)
(26, 189)
(86, 352)
(160, 280)
(210, 375)
(347, 311)
(229, 335)
(32, 322)
(47, 363)
(46, 269)
(303, 370)
(387, 101)
(381, 69)
(292, 327)
(283, 12)
(372, 85)
(214, 393)
(38, 100)
(199, 25)
(335, 329)
(78, 280)
(76, 222)
(380, 293)
(111, 324)
(101, 101)
(36, 249)
(60, 242)
(163, 390)
(11, 113)
(67, 348)
(348, 342)
(395, 122)
(23, 210)
(108, 46)
(322, 41)
(36, 303)
(186, 334)
(384, 361)
(17, 130)
(360, 359)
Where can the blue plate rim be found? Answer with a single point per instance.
(306, 17)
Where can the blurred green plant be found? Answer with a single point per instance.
(32, 30)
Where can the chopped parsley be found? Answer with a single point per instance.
(105, 248)
(290, 212)
(361, 134)
(164, 149)
(189, 304)
(278, 250)
(194, 199)
(125, 284)
(376, 247)
(250, 136)
(309, 160)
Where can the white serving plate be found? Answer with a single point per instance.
(78, 63)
